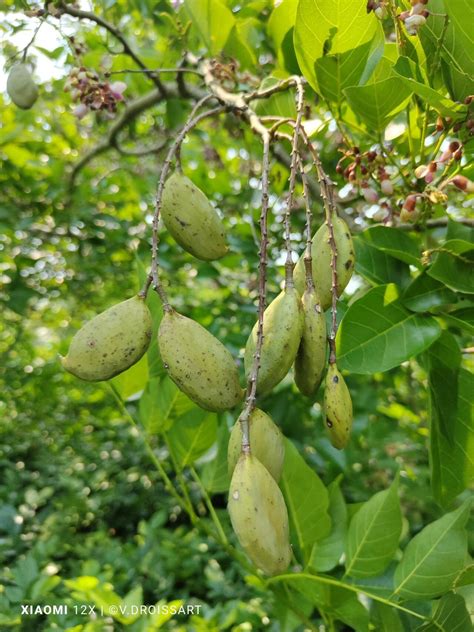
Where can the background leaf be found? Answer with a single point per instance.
(374, 533)
(434, 557)
(378, 333)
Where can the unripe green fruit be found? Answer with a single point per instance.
(198, 363)
(282, 330)
(266, 443)
(337, 408)
(192, 220)
(21, 87)
(111, 342)
(311, 358)
(259, 516)
(322, 257)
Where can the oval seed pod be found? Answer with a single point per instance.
(282, 329)
(198, 363)
(192, 220)
(259, 516)
(111, 342)
(337, 408)
(266, 443)
(322, 257)
(311, 358)
(21, 87)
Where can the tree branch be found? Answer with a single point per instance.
(111, 28)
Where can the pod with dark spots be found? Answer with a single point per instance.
(111, 342)
(192, 220)
(266, 441)
(311, 358)
(282, 330)
(198, 363)
(322, 257)
(259, 516)
(21, 87)
(337, 408)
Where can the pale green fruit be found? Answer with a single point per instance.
(21, 87)
(311, 358)
(198, 363)
(266, 443)
(111, 342)
(192, 220)
(282, 328)
(322, 257)
(337, 408)
(259, 516)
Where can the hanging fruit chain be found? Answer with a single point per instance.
(291, 330)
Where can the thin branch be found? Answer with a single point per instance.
(262, 287)
(117, 33)
(292, 182)
(172, 153)
(308, 258)
(327, 194)
(157, 71)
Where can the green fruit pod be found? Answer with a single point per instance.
(111, 342)
(192, 220)
(266, 443)
(259, 516)
(337, 408)
(322, 257)
(21, 87)
(282, 329)
(198, 363)
(311, 358)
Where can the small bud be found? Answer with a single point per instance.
(453, 145)
(421, 171)
(457, 126)
(370, 195)
(410, 202)
(469, 99)
(381, 12)
(80, 111)
(439, 124)
(404, 15)
(429, 177)
(387, 187)
(413, 23)
(463, 183)
(458, 155)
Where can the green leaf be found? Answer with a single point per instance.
(307, 501)
(280, 104)
(450, 615)
(215, 477)
(462, 319)
(25, 572)
(385, 618)
(454, 265)
(452, 461)
(434, 557)
(280, 28)
(161, 403)
(131, 382)
(376, 104)
(374, 534)
(409, 72)
(327, 552)
(461, 19)
(444, 359)
(336, 601)
(377, 333)
(394, 242)
(192, 435)
(212, 20)
(240, 45)
(376, 266)
(333, 41)
(425, 293)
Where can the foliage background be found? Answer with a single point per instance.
(84, 515)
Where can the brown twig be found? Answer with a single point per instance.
(192, 121)
(327, 195)
(262, 282)
(111, 28)
(308, 258)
